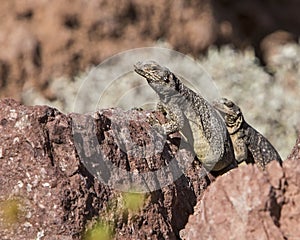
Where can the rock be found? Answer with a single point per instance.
(277, 49)
(51, 186)
(35, 171)
(248, 22)
(295, 154)
(290, 212)
(47, 192)
(250, 204)
(33, 53)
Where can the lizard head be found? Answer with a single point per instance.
(160, 78)
(231, 113)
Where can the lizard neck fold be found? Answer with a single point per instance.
(178, 85)
(184, 90)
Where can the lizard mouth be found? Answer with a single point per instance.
(138, 68)
(219, 107)
(154, 73)
(145, 70)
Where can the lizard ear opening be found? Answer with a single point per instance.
(166, 79)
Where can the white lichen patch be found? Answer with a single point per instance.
(13, 115)
(23, 122)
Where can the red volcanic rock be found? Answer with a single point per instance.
(49, 190)
(46, 190)
(40, 40)
(247, 203)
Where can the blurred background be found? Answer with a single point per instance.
(250, 48)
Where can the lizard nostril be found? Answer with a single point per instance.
(137, 65)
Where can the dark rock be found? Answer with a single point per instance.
(49, 189)
(44, 174)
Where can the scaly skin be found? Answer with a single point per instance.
(249, 145)
(192, 115)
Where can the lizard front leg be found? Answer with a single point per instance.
(239, 146)
(175, 118)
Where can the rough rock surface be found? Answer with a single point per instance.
(249, 204)
(54, 195)
(38, 167)
(47, 193)
(290, 212)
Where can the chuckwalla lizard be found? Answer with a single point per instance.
(249, 145)
(192, 115)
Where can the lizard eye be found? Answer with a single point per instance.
(229, 104)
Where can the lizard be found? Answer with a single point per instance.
(191, 115)
(249, 145)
